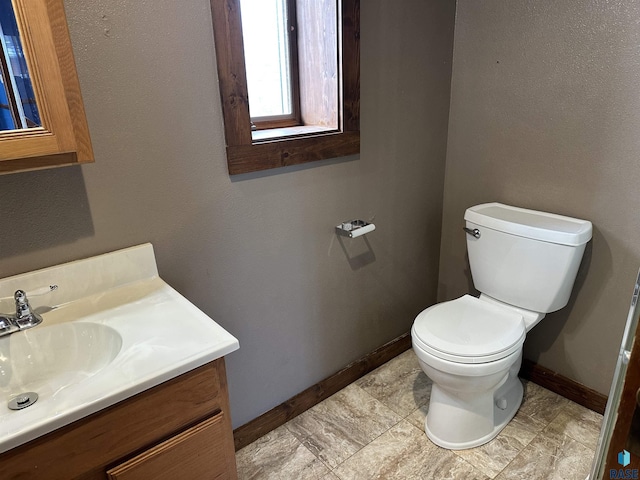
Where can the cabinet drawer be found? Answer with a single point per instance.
(87, 448)
(199, 452)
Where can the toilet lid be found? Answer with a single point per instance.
(469, 330)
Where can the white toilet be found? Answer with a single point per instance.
(524, 263)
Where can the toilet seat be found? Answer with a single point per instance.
(469, 330)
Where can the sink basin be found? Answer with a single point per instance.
(111, 330)
(46, 359)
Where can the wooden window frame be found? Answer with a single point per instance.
(304, 144)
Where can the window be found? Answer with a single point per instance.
(270, 46)
(311, 109)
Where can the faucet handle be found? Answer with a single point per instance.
(40, 291)
(23, 309)
(25, 318)
(33, 293)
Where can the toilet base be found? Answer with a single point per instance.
(457, 421)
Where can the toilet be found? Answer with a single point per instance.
(524, 263)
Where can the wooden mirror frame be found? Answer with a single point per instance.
(63, 138)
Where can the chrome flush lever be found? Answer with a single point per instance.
(474, 233)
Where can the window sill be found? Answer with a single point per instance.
(293, 149)
(270, 134)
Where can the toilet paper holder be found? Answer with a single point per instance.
(354, 228)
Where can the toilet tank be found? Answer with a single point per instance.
(525, 258)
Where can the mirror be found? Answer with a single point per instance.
(18, 107)
(53, 130)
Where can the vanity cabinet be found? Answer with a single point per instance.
(178, 429)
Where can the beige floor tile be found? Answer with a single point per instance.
(404, 452)
(532, 423)
(277, 456)
(577, 422)
(360, 433)
(492, 457)
(541, 404)
(342, 424)
(560, 458)
(418, 417)
(400, 384)
(331, 476)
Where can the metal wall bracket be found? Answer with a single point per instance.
(354, 228)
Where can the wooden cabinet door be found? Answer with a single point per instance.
(201, 452)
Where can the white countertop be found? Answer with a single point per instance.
(163, 335)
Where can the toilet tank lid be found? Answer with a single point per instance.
(546, 227)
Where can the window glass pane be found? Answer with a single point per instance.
(266, 53)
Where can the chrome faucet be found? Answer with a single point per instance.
(24, 317)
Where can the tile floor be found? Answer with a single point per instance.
(374, 429)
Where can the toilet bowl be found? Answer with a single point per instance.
(472, 351)
(524, 263)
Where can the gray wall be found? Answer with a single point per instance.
(256, 252)
(545, 114)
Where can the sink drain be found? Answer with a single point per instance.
(23, 400)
